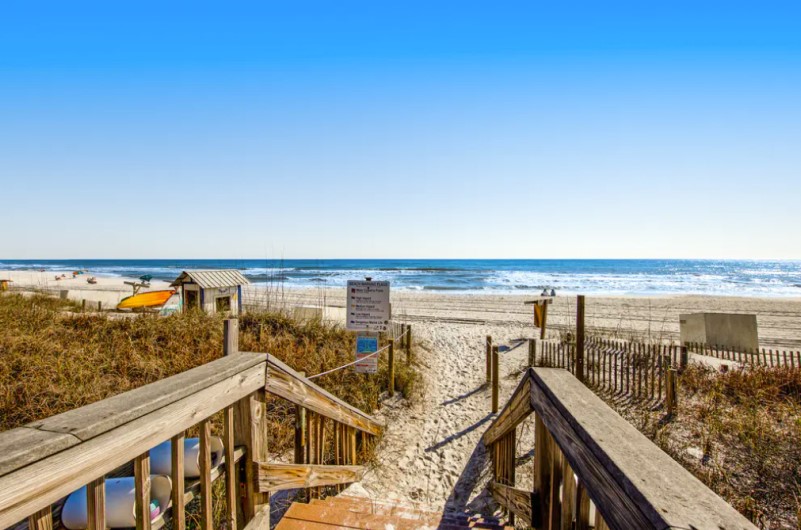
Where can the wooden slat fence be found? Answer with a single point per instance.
(621, 368)
(758, 357)
(43, 462)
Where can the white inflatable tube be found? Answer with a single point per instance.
(119, 503)
(161, 457)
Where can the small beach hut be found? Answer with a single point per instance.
(213, 291)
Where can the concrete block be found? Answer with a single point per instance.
(730, 330)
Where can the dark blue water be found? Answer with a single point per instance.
(642, 277)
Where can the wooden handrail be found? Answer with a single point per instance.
(633, 483)
(286, 383)
(40, 439)
(150, 415)
(515, 411)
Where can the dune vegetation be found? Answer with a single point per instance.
(54, 358)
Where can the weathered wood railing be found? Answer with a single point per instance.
(43, 462)
(589, 459)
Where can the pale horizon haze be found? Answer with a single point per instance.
(400, 130)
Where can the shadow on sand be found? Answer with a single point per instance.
(456, 436)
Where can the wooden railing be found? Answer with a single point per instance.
(592, 468)
(43, 462)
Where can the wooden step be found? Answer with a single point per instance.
(368, 506)
(365, 514)
(426, 514)
(330, 517)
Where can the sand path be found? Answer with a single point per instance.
(431, 451)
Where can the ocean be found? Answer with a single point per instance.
(592, 277)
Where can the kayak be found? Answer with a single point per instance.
(148, 299)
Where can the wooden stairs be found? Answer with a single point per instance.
(349, 512)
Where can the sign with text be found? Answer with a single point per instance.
(367, 306)
(365, 346)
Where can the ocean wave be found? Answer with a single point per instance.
(618, 277)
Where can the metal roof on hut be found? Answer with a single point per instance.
(208, 279)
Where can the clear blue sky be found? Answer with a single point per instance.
(400, 129)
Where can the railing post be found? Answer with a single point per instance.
(542, 473)
(204, 463)
(96, 504)
(532, 352)
(391, 368)
(177, 476)
(230, 336)
(685, 358)
(300, 435)
(495, 379)
(580, 337)
(142, 491)
(250, 431)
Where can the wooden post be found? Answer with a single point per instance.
(204, 461)
(231, 494)
(99, 306)
(83, 305)
(580, 337)
(532, 352)
(96, 504)
(489, 358)
(250, 430)
(391, 384)
(568, 495)
(408, 343)
(542, 473)
(544, 320)
(300, 435)
(583, 508)
(495, 379)
(670, 390)
(142, 491)
(41, 520)
(230, 336)
(177, 476)
(685, 358)
(556, 482)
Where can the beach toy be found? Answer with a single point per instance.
(119, 503)
(161, 456)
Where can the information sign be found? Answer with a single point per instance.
(365, 364)
(367, 306)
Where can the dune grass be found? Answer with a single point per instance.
(740, 433)
(54, 358)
